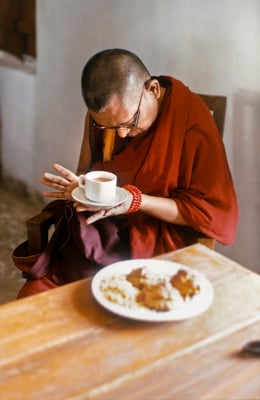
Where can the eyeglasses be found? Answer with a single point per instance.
(126, 125)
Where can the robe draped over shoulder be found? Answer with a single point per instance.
(182, 157)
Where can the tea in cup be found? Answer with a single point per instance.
(99, 186)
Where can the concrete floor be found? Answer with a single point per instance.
(15, 208)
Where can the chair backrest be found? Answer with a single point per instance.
(217, 106)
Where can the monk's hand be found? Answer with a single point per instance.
(99, 213)
(63, 183)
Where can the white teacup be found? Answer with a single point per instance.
(99, 186)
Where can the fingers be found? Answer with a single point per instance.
(54, 181)
(109, 212)
(64, 184)
(103, 213)
(97, 216)
(69, 175)
(80, 207)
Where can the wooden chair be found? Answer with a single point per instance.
(38, 226)
(217, 106)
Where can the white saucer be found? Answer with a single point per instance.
(78, 195)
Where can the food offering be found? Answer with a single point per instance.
(152, 290)
(145, 288)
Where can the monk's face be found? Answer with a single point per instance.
(134, 116)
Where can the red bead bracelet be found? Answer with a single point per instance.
(137, 198)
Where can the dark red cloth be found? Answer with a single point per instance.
(182, 156)
(35, 287)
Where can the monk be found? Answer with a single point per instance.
(161, 141)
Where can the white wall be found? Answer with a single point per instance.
(213, 46)
(17, 100)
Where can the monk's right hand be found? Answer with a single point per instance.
(63, 183)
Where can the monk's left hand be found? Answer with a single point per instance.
(100, 213)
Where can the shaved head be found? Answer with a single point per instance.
(112, 72)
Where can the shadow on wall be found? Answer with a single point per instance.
(246, 117)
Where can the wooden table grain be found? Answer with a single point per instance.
(62, 345)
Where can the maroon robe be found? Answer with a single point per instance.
(182, 157)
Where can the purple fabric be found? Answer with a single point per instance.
(75, 250)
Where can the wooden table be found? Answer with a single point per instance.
(62, 345)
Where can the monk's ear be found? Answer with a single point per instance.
(153, 86)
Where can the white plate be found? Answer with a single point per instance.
(79, 196)
(190, 308)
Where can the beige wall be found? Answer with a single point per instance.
(213, 46)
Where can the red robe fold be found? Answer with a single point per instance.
(182, 156)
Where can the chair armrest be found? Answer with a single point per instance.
(37, 231)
